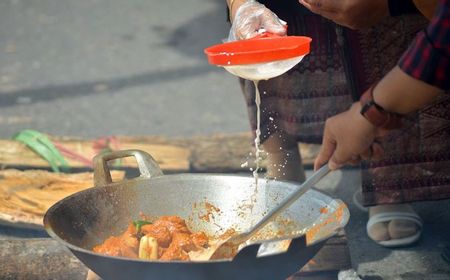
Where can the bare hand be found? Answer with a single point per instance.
(355, 14)
(348, 137)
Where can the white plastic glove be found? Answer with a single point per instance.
(253, 18)
(348, 275)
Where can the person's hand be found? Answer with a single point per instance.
(348, 137)
(355, 14)
(252, 17)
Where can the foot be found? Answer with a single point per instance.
(391, 223)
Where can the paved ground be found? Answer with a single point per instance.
(107, 67)
(110, 67)
(421, 261)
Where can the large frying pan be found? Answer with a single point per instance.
(87, 218)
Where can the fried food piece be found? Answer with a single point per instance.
(173, 224)
(167, 238)
(183, 240)
(158, 231)
(124, 245)
(200, 239)
(174, 253)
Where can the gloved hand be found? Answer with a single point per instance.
(253, 17)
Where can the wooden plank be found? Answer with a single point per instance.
(169, 155)
(216, 153)
(221, 153)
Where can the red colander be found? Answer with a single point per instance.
(259, 58)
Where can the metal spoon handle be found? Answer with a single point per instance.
(310, 182)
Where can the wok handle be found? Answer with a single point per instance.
(148, 167)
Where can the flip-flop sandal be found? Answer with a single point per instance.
(389, 216)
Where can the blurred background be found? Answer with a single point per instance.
(97, 68)
(109, 67)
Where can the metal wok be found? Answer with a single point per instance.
(87, 218)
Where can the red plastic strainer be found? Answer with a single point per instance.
(260, 58)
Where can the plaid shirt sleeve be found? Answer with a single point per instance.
(428, 57)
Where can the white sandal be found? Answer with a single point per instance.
(389, 216)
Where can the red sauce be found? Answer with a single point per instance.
(124, 245)
(174, 240)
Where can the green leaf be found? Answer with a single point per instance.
(43, 146)
(139, 223)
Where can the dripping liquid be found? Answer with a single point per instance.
(258, 153)
(258, 150)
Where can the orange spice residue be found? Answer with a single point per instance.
(209, 207)
(335, 217)
(228, 251)
(210, 210)
(323, 210)
(205, 217)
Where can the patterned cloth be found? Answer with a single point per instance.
(341, 65)
(428, 58)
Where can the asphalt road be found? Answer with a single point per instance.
(109, 67)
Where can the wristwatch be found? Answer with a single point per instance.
(376, 115)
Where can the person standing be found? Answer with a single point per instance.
(343, 63)
(420, 82)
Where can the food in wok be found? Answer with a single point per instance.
(167, 238)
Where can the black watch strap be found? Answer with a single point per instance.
(376, 115)
(401, 7)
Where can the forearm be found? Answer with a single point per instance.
(233, 6)
(397, 92)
